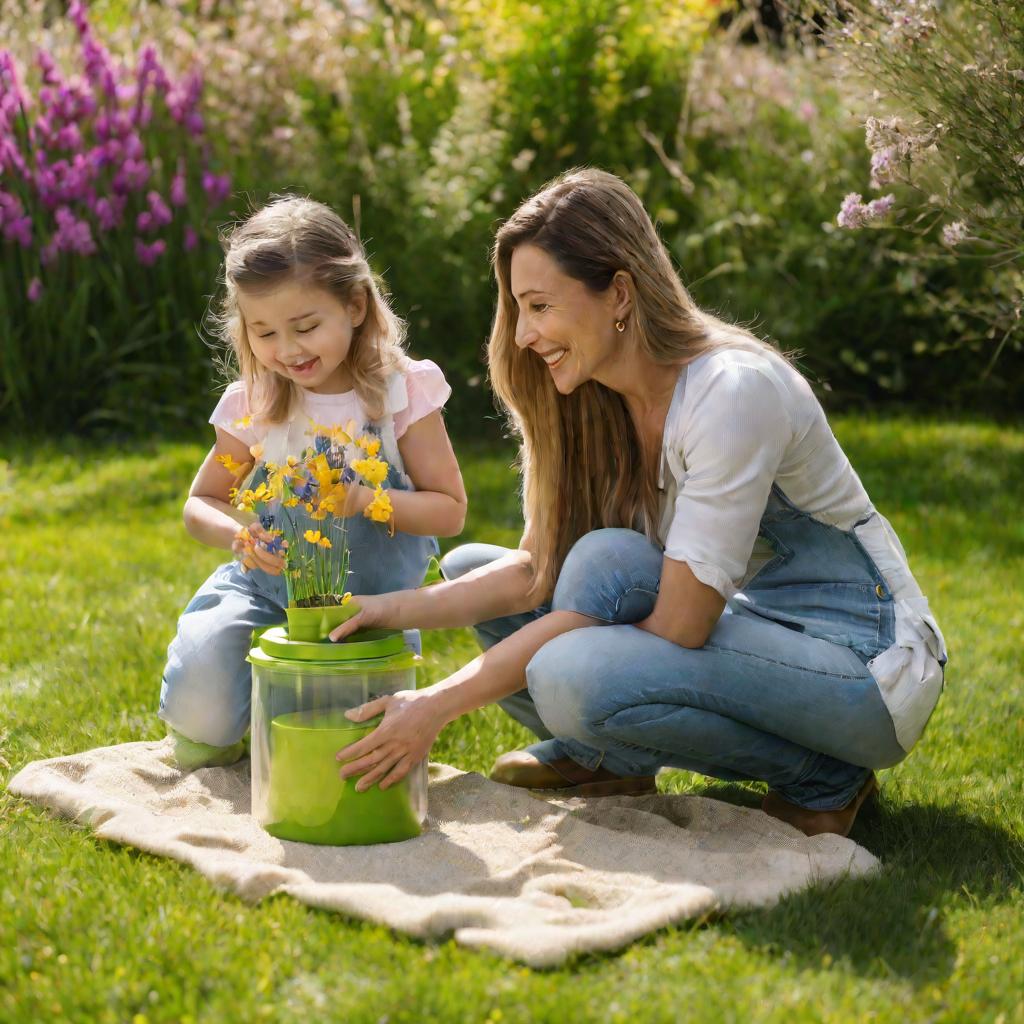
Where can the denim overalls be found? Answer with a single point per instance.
(780, 692)
(206, 688)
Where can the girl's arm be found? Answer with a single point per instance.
(212, 520)
(437, 508)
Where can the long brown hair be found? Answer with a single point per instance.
(296, 237)
(580, 454)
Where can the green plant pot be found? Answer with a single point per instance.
(310, 803)
(313, 624)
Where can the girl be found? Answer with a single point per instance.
(316, 343)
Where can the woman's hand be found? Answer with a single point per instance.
(375, 612)
(403, 739)
(249, 547)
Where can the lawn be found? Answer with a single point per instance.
(98, 567)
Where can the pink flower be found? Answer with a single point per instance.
(855, 214)
(191, 238)
(35, 289)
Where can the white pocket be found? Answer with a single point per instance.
(909, 674)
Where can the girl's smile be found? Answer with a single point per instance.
(303, 332)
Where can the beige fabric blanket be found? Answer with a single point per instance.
(538, 880)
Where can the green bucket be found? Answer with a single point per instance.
(301, 690)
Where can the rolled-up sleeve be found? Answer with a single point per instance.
(731, 445)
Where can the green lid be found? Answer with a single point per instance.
(370, 650)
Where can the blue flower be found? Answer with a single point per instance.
(274, 545)
(322, 443)
(267, 521)
(348, 474)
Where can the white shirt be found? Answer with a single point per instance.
(742, 420)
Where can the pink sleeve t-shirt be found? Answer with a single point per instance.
(421, 390)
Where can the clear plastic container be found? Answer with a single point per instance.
(300, 691)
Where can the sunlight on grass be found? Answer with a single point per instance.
(98, 568)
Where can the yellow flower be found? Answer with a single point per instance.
(236, 469)
(339, 437)
(379, 510)
(320, 513)
(245, 421)
(370, 445)
(291, 502)
(373, 470)
(324, 542)
(313, 536)
(345, 600)
(232, 494)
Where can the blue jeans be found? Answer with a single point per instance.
(763, 699)
(206, 690)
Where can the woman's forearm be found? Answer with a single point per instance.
(494, 590)
(501, 670)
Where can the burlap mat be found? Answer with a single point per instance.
(534, 879)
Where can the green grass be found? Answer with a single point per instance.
(97, 568)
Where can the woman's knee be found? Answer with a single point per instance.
(566, 685)
(610, 574)
(468, 557)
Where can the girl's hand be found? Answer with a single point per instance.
(411, 724)
(249, 547)
(375, 612)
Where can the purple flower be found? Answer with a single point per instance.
(147, 255)
(851, 212)
(73, 235)
(855, 214)
(953, 234)
(878, 208)
(69, 137)
(159, 210)
(144, 223)
(191, 238)
(131, 177)
(35, 289)
(216, 186)
(109, 212)
(19, 229)
(46, 64)
(179, 194)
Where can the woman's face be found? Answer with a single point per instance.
(562, 322)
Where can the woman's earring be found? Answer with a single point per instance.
(620, 326)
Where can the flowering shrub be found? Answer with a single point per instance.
(947, 88)
(302, 504)
(104, 175)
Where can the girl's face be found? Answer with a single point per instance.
(302, 332)
(561, 320)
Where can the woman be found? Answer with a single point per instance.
(702, 583)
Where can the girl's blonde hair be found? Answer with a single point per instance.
(297, 238)
(580, 456)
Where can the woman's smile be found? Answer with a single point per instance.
(553, 356)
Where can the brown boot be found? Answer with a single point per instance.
(564, 775)
(813, 823)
